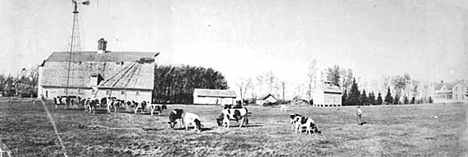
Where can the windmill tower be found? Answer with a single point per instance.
(75, 45)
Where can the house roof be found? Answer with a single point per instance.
(448, 85)
(109, 56)
(215, 93)
(263, 97)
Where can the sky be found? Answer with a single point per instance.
(244, 38)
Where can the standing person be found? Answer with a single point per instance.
(359, 114)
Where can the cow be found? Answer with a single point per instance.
(157, 108)
(175, 115)
(141, 105)
(90, 105)
(113, 102)
(233, 114)
(192, 119)
(293, 116)
(302, 121)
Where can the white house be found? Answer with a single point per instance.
(214, 97)
(266, 99)
(327, 94)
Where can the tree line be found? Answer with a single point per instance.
(24, 83)
(175, 84)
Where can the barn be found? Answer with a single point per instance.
(327, 95)
(96, 74)
(214, 96)
(266, 99)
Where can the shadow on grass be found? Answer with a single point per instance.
(152, 129)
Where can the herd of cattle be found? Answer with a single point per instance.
(186, 119)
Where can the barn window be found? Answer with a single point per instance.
(108, 92)
(122, 92)
(137, 93)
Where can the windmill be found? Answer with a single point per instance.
(75, 45)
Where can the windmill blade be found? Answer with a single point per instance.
(86, 2)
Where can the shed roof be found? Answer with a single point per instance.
(214, 93)
(329, 88)
(264, 97)
(109, 56)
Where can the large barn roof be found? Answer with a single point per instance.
(118, 70)
(110, 56)
(215, 93)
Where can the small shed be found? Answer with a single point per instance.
(214, 96)
(266, 99)
(327, 95)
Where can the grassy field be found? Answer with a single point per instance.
(410, 130)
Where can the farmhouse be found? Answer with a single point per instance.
(450, 92)
(266, 99)
(96, 74)
(326, 95)
(214, 96)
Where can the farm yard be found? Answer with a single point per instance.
(410, 130)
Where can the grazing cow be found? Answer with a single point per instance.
(113, 102)
(284, 108)
(175, 115)
(293, 117)
(233, 114)
(157, 108)
(192, 119)
(141, 105)
(90, 105)
(302, 121)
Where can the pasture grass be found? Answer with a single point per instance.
(406, 130)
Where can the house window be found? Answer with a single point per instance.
(137, 93)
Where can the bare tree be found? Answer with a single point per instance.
(311, 78)
(283, 89)
(270, 79)
(260, 83)
(244, 85)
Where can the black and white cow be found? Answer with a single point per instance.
(157, 108)
(175, 115)
(233, 114)
(193, 120)
(91, 104)
(185, 118)
(141, 106)
(298, 121)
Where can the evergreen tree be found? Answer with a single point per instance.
(371, 98)
(363, 98)
(405, 100)
(413, 100)
(389, 98)
(396, 100)
(344, 98)
(430, 100)
(353, 96)
(379, 99)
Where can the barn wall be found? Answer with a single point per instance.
(212, 100)
(85, 93)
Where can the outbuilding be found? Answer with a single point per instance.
(267, 99)
(214, 96)
(327, 95)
